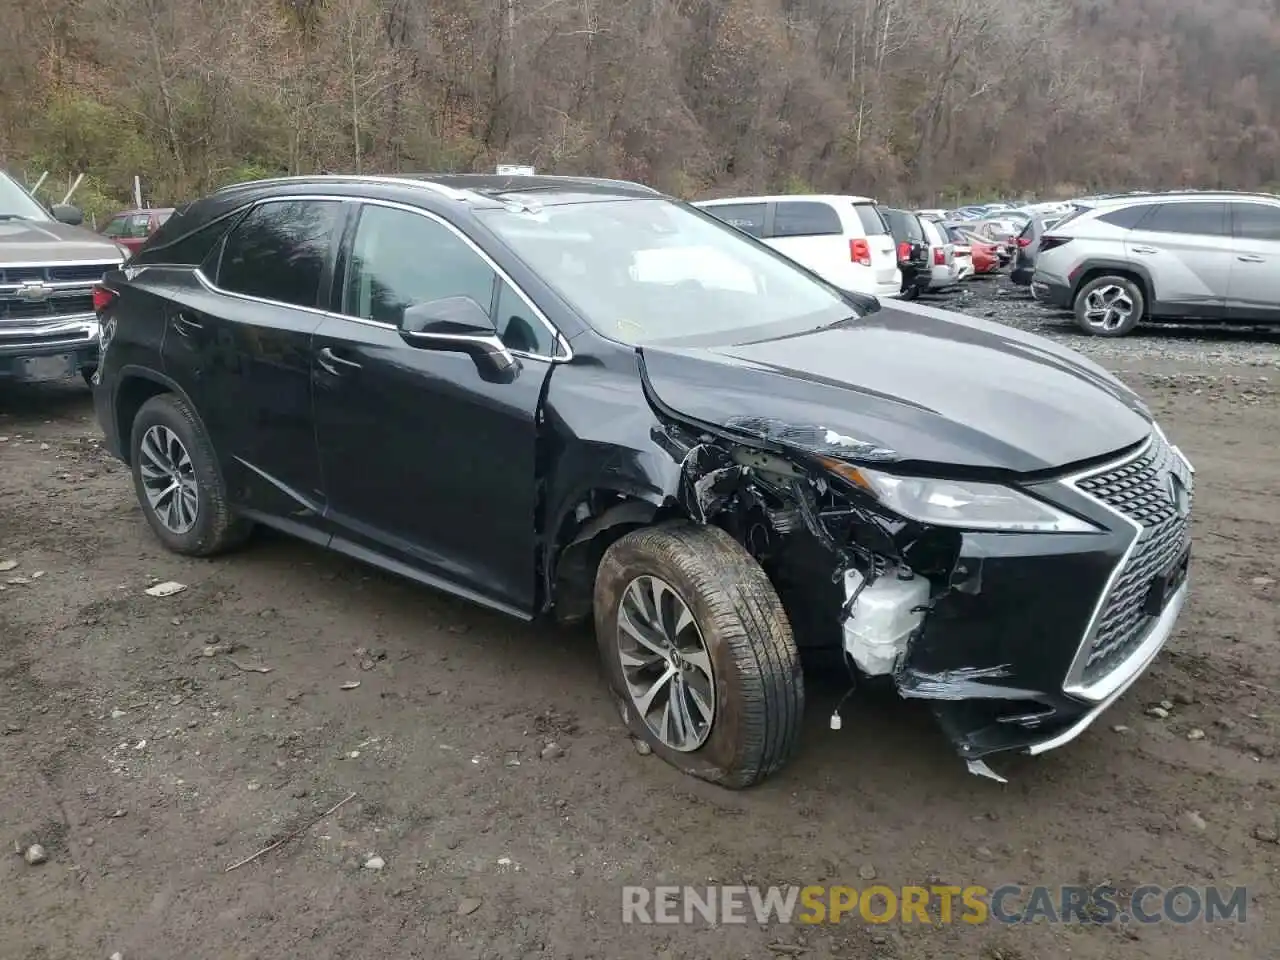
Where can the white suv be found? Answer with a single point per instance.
(845, 240)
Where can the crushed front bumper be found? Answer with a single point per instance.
(1037, 634)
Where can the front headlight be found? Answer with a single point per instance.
(961, 503)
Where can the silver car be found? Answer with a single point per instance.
(1172, 256)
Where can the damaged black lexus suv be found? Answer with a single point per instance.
(582, 399)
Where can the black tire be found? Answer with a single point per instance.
(216, 529)
(1129, 291)
(759, 686)
(87, 373)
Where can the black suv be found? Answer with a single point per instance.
(913, 251)
(580, 398)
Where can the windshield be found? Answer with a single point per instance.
(16, 203)
(644, 271)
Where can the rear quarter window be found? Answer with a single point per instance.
(1126, 218)
(805, 218)
(189, 250)
(873, 220)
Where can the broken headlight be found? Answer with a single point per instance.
(961, 503)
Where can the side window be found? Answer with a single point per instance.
(1126, 218)
(747, 217)
(140, 225)
(1256, 221)
(401, 258)
(1197, 217)
(518, 326)
(278, 251)
(116, 228)
(798, 218)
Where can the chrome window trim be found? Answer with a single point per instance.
(1074, 684)
(557, 337)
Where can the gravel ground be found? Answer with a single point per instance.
(151, 743)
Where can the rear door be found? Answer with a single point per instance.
(810, 232)
(269, 276)
(1254, 294)
(884, 257)
(1187, 250)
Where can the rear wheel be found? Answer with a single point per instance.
(699, 653)
(1109, 306)
(177, 480)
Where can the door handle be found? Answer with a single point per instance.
(183, 325)
(1252, 259)
(332, 362)
(1144, 250)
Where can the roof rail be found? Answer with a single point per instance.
(405, 181)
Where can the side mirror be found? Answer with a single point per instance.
(66, 213)
(461, 325)
(863, 302)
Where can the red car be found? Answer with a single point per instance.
(130, 228)
(986, 257)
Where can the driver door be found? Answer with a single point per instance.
(427, 463)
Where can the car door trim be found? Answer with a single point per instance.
(565, 352)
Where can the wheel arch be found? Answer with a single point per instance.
(135, 385)
(596, 520)
(1092, 269)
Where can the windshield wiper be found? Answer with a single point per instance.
(13, 216)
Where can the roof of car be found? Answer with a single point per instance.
(1115, 200)
(550, 190)
(135, 210)
(818, 197)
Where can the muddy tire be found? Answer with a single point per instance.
(1109, 306)
(169, 450)
(712, 596)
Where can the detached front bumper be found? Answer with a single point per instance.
(48, 351)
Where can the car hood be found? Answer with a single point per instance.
(31, 241)
(907, 383)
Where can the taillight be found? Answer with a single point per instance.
(1051, 243)
(860, 252)
(904, 251)
(1024, 241)
(103, 298)
(939, 257)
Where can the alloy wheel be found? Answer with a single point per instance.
(169, 479)
(666, 664)
(1107, 308)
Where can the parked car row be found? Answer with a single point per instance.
(866, 248)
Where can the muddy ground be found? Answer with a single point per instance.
(145, 768)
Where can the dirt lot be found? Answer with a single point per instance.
(145, 768)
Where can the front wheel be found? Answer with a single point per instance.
(1109, 306)
(699, 653)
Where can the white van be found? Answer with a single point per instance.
(845, 240)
